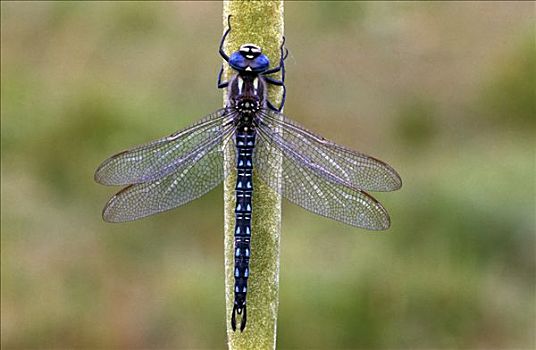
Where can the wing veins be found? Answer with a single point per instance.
(361, 170)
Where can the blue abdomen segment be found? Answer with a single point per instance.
(245, 143)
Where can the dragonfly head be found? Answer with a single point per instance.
(249, 59)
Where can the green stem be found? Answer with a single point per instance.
(261, 23)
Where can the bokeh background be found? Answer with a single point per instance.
(445, 92)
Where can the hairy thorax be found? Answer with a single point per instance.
(247, 94)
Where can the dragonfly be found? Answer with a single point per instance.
(322, 177)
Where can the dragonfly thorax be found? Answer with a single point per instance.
(247, 94)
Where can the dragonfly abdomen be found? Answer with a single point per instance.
(245, 143)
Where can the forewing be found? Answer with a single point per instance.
(340, 164)
(309, 188)
(144, 199)
(160, 158)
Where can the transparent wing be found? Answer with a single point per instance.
(160, 158)
(180, 187)
(328, 159)
(313, 188)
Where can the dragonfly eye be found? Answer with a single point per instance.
(249, 58)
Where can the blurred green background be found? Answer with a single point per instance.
(444, 92)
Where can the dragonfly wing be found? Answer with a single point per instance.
(144, 199)
(307, 187)
(160, 158)
(340, 164)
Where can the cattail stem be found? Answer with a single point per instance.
(261, 23)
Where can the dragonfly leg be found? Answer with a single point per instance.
(222, 52)
(224, 84)
(276, 82)
(282, 59)
(221, 84)
(283, 98)
(269, 104)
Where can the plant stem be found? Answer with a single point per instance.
(261, 23)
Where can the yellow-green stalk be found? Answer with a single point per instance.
(260, 23)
